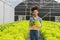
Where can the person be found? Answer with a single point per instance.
(34, 30)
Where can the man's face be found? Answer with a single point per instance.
(35, 12)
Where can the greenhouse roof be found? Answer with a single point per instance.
(12, 3)
(58, 1)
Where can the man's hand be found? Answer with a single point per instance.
(34, 27)
(37, 27)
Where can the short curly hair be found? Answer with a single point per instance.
(34, 8)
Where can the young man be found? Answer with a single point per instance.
(34, 30)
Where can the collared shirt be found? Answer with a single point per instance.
(38, 19)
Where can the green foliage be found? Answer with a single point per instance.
(36, 23)
(50, 30)
(14, 30)
(19, 30)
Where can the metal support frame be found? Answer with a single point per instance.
(40, 8)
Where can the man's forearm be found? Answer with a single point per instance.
(38, 27)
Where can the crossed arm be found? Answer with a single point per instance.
(32, 26)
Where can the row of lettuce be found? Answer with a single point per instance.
(50, 30)
(19, 30)
(14, 30)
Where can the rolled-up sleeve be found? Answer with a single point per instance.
(40, 21)
(31, 20)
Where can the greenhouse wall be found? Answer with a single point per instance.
(6, 13)
(1, 12)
